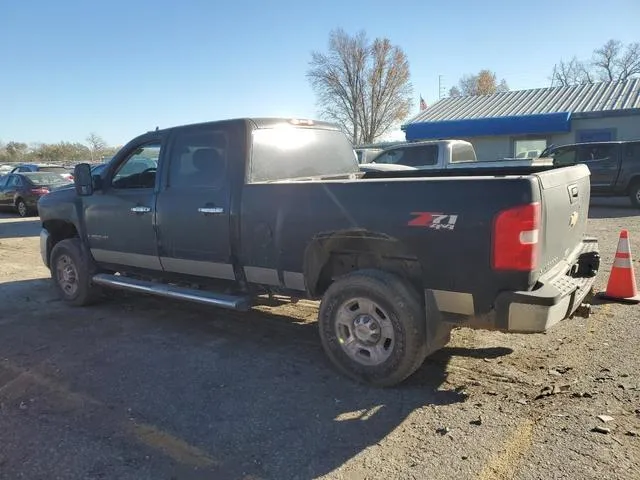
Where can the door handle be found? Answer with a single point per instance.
(208, 210)
(141, 209)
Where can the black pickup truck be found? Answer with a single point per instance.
(221, 213)
(614, 166)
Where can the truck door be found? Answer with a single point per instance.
(194, 203)
(603, 162)
(120, 217)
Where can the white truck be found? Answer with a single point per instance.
(438, 155)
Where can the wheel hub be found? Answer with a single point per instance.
(67, 275)
(366, 329)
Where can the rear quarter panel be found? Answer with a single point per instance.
(279, 221)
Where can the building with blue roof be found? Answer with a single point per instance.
(523, 123)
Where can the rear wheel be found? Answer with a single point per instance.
(372, 327)
(21, 208)
(72, 274)
(634, 194)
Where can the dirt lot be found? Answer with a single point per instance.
(145, 388)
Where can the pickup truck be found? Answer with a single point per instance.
(239, 209)
(438, 155)
(614, 166)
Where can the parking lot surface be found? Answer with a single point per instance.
(145, 388)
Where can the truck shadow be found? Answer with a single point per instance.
(253, 390)
(19, 228)
(612, 208)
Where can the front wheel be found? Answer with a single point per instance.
(634, 194)
(372, 327)
(72, 274)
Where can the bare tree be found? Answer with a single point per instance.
(96, 145)
(361, 85)
(615, 62)
(485, 82)
(611, 62)
(572, 72)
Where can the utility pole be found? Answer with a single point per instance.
(441, 87)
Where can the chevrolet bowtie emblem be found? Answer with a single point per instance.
(573, 219)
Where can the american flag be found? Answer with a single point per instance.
(423, 104)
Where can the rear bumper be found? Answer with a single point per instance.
(553, 300)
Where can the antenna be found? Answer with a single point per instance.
(441, 87)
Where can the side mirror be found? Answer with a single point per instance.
(83, 179)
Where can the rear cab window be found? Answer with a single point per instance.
(288, 152)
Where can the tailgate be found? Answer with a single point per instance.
(565, 194)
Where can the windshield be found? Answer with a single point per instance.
(287, 152)
(45, 178)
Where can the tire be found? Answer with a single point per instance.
(71, 273)
(393, 347)
(21, 208)
(634, 194)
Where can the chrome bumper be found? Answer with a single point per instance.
(44, 246)
(555, 300)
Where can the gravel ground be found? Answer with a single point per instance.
(147, 388)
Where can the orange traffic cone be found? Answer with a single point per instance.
(622, 281)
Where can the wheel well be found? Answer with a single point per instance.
(334, 255)
(59, 230)
(635, 181)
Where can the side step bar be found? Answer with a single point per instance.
(169, 291)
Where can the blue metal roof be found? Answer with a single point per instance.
(483, 127)
(580, 100)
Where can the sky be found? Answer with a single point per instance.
(120, 68)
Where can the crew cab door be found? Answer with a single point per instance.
(194, 203)
(120, 217)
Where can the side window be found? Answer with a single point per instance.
(462, 153)
(391, 156)
(564, 156)
(139, 169)
(14, 181)
(421, 156)
(632, 151)
(593, 153)
(198, 159)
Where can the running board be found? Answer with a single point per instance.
(203, 297)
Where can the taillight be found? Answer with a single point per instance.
(40, 191)
(516, 234)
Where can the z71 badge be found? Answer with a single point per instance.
(433, 220)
